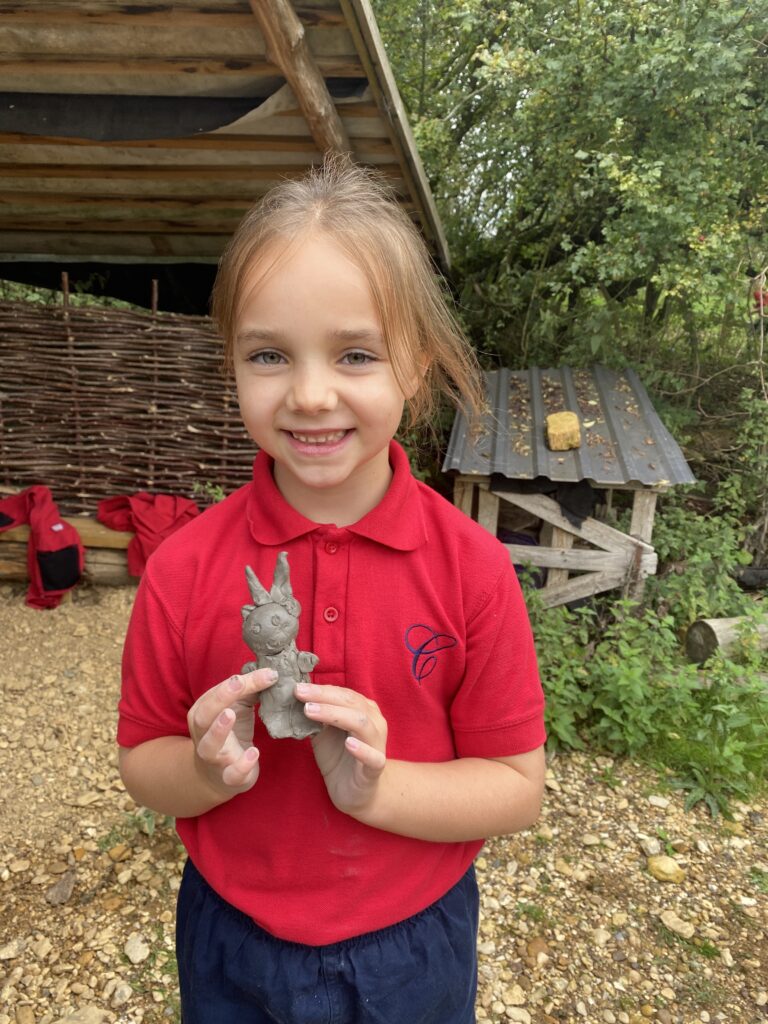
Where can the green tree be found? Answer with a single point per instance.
(600, 166)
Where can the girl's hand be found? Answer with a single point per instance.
(221, 726)
(351, 750)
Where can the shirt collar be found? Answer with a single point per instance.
(397, 521)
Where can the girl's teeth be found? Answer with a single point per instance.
(319, 438)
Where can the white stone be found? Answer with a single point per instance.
(601, 936)
(121, 995)
(12, 949)
(136, 948)
(518, 1014)
(658, 801)
(650, 847)
(676, 924)
(85, 1015)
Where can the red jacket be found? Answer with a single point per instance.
(55, 556)
(152, 517)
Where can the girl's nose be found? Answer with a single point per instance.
(312, 390)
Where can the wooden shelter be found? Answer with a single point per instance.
(139, 133)
(133, 138)
(506, 476)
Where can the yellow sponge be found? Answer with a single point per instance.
(563, 431)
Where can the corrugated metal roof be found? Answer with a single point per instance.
(623, 439)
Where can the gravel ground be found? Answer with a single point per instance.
(576, 924)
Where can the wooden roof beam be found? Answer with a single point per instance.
(287, 49)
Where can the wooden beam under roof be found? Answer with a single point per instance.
(287, 48)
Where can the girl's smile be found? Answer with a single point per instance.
(315, 383)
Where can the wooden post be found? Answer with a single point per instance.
(559, 540)
(488, 510)
(641, 526)
(463, 492)
(643, 511)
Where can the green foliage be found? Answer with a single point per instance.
(616, 678)
(697, 553)
(599, 166)
(208, 491)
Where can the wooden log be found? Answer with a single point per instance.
(706, 636)
(287, 48)
(104, 566)
(92, 533)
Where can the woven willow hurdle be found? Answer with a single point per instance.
(101, 402)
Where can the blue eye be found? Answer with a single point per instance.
(267, 357)
(358, 358)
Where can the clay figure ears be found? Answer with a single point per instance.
(281, 592)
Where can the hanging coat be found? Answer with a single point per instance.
(55, 555)
(151, 517)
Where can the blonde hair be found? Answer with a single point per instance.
(358, 210)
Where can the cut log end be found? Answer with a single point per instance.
(707, 636)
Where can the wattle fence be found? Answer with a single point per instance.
(97, 402)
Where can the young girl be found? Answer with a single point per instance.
(330, 879)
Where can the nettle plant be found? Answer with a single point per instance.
(617, 679)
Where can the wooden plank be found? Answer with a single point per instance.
(488, 510)
(37, 68)
(643, 511)
(193, 172)
(92, 533)
(91, 245)
(578, 587)
(287, 48)
(152, 14)
(574, 560)
(134, 226)
(590, 530)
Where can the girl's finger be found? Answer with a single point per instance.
(213, 744)
(367, 755)
(356, 721)
(244, 771)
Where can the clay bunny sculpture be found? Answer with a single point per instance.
(270, 627)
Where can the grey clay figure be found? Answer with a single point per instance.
(270, 627)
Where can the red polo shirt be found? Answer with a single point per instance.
(415, 606)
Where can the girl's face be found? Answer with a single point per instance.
(314, 381)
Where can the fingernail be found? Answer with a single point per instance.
(273, 676)
(302, 689)
(311, 709)
(224, 717)
(235, 684)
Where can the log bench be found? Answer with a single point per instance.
(106, 561)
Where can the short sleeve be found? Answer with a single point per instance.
(499, 708)
(155, 693)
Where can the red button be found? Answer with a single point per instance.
(331, 548)
(331, 614)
